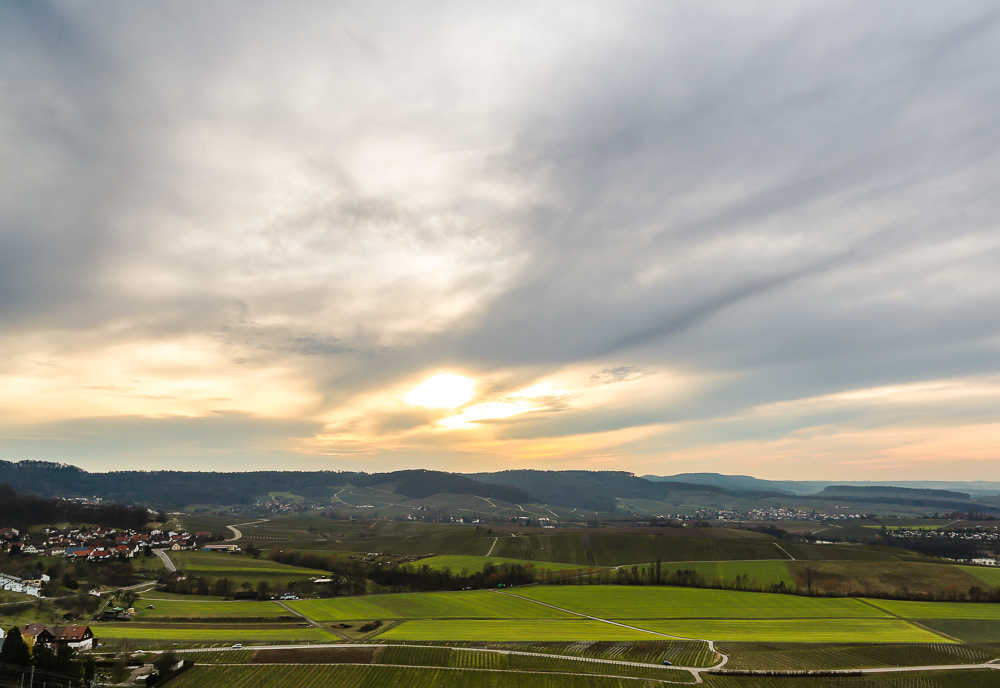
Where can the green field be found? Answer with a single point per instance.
(939, 610)
(506, 630)
(986, 574)
(797, 630)
(966, 630)
(759, 573)
(477, 604)
(201, 609)
(239, 567)
(183, 633)
(646, 602)
(457, 562)
(763, 630)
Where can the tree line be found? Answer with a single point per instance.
(23, 511)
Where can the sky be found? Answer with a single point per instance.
(661, 237)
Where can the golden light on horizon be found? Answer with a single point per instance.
(446, 390)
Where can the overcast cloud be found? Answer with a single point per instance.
(659, 236)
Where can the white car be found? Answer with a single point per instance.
(238, 646)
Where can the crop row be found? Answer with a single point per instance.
(375, 676)
(973, 678)
(799, 656)
(473, 659)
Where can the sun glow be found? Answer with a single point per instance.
(441, 391)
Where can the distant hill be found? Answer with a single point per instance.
(803, 487)
(733, 482)
(177, 489)
(890, 491)
(598, 490)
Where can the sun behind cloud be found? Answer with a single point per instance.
(446, 390)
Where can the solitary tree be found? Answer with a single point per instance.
(15, 651)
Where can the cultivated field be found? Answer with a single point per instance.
(457, 563)
(198, 608)
(196, 633)
(374, 676)
(239, 567)
(476, 604)
(508, 630)
(807, 656)
(646, 602)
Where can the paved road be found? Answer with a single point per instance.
(162, 554)
(237, 534)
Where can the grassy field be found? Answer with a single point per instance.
(197, 633)
(645, 602)
(479, 604)
(509, 630)
(985, 574)
(457, 563)
(939, 610)
(796, 630)
(200, 609)
(239, 567)
(759, 573)
(966, 630)
(375, 676)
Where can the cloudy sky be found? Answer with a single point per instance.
(757, 238)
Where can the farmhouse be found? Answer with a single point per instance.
(220, 548)
(30, 633)
(77, 637)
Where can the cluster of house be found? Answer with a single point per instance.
(95, 544)
(31, 584)
(77, 637)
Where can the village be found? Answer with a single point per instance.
(93, 544)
